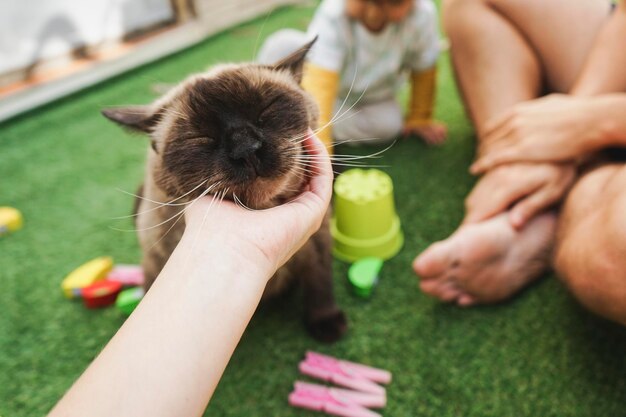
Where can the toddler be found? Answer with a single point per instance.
(364, 52)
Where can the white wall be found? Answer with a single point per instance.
(31, 30)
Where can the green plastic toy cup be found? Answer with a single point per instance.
(365, 223)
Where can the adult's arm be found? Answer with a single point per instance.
(169, 355)
(556, 128)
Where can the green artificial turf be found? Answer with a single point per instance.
(538, 355)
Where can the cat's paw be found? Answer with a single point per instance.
(328, 328)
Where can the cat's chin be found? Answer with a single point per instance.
(263, 193)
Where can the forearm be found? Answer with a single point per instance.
(170, 354)
(422, 99)
(323, 85)
(604, 69)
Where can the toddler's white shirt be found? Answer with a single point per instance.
(375, 65)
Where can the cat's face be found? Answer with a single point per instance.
(237, 129)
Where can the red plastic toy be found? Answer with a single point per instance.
(101, 294)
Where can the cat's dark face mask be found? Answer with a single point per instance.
(239, 129)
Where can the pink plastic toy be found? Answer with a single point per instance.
(129, 275)
(335, 401)
(347, 374)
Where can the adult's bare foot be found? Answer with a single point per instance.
(486, 262)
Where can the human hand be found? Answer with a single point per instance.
(555, 128)
(526, 189)
(268, 238)
(431, 132)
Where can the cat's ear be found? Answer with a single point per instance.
(295, 62)
(139, 118)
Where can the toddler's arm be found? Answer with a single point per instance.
(419, 118)
(323, 84)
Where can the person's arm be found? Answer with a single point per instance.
(323, 85)
(555, 129)
(603, 71)
(169, 355)
(419, 120)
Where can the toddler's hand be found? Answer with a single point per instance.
(431, 132)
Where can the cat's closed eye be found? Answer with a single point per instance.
(273, 106)
(200, 140)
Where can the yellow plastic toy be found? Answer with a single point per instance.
(85, 275)
(10, 220)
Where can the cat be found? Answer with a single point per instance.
(235, 129)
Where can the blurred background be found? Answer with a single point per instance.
(68, 45)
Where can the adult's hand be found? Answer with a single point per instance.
(526, 189)
(555, 128)
(269, 237)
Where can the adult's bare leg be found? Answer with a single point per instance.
(591, 241)
(505, 52)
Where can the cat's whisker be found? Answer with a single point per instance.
(204, 193)
(172, 217)
(240, 203)
(337, 118)
(258, 36)
(345, 100)
(199, 230)
(159, 205)
(338, 113)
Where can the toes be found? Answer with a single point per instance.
(449, 292)
(445, 291)
(430, 287)
(466, 300)
(434, 261)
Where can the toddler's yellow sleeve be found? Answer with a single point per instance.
(422, 99)
(323, 85)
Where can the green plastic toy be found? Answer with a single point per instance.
(129, 299)
(363, 275)
(365, 223)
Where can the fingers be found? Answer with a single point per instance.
(495, 193)
(321, 181)
(438, 134)
(532, 205)
(492, 159)
(311, 205)
(497, 123)
(542, 199)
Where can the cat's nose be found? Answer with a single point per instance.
(246, 150)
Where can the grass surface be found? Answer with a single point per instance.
(62, 165)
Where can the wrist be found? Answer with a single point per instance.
(198, 258)
(418, 121)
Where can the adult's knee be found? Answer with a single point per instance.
(460, 16)
(590, 260)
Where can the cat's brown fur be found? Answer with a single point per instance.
(240, 128)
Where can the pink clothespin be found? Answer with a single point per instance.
(347, 374)
(126, 275)
(335, 401)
